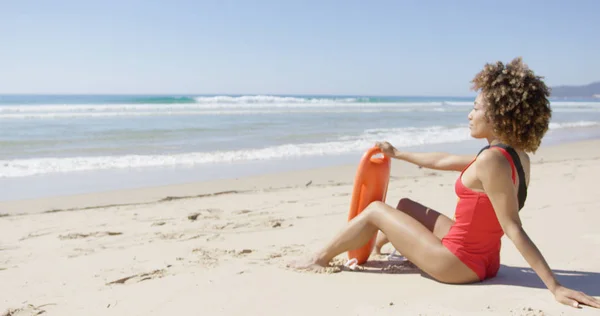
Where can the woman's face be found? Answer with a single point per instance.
(479, 125)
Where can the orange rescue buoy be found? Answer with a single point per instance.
(370, 184)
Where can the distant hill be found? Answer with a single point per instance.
(587, 91)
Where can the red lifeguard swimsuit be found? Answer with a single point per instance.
(475, 236)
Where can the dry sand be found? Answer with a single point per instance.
(221, 247)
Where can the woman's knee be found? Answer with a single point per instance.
(375, 206)
(375, 209)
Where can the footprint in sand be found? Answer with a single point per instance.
(27, 310)
(274, 223)
(222, 226)
(285, 251)
(178, 235)
(208, 257)
(250, 213)
(243, 252)
(210, 213)
(214, 237)
(271, 223)
(81, 252)
(139, 277)
(212, 257)
(241, 212)
(93, 234)
(34, 235)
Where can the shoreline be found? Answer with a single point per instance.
(57, 184)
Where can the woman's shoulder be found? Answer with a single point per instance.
(494, 163)
(497, 154)
(494, 172)
(492, 159)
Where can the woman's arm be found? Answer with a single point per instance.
(434, 160)
(493, 170)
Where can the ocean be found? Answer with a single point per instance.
(69, 144)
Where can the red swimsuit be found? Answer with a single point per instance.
(475, 236)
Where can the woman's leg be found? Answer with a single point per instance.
(413, 239)
(437, 223)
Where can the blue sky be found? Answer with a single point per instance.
(289, 47)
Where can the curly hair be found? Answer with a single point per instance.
(517, 103)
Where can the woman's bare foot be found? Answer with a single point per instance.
(313, 264)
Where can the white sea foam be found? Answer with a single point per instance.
(171, 112)
(573, 124)
(400, 137)
(261, 99)
(247, 108)
(53, 108)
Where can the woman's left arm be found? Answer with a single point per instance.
(493, 170)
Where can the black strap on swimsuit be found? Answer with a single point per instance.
(517, 161)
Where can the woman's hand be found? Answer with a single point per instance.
(574, 298)
(387, 149)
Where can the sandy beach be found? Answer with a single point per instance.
(221, 247)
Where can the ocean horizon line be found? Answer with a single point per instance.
(243, 94)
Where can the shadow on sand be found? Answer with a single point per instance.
(587, 282)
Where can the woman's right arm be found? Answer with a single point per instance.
(433, 160)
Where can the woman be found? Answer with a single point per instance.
(512, 112)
